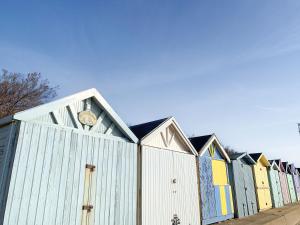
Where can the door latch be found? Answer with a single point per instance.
(88, 208)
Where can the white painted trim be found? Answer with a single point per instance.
(166, 124)
(248, 156)
(275, 164)
(209, 142)
(32, 113)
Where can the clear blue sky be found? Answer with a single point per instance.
(229, 67)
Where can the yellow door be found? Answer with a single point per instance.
(261, 199)
(268, 198)
(259, 176)
(223, 200)
(219, 172)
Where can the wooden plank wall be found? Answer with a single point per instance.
(8, 135)
(169, 186)
(291, 188)
(47, 179)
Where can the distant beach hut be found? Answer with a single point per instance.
(241, 179)
(276, 192)
(291, 184)
(216, 195)
(260, 172)
(283, 182)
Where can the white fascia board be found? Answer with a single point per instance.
(209, 142)
(48, 107)
(166, 123)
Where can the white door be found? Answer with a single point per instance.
(169, 188)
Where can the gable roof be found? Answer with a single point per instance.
(141, 130)
(260, 157)
(242, 155)
(285, 166)
(201, 144)
(37, 111)
(292, 168)
(273, 164)
(280, 165)
(200, 141)
(144, 130)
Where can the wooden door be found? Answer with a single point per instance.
(279, 191)
(291, 188)
(284, 188)
(268, 200)
(207, 191)
(169, 188)
(261, 199)
(240, 189)
(274, 189)
(186, 186)
(158, 188)
(250, 190)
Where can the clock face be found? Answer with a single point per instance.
(87, 118)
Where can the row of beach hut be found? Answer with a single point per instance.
(75, 162)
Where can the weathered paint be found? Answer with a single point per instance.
(263, 193)
(241, 177)
(216, 195)
(48, 181)
(276, 192)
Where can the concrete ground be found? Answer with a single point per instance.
(287, 215)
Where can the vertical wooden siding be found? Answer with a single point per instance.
(244, 192)
(297, 184)
(291, 188)
(284, 188)
(216, 194)
(47, 179)
(8, 135)
(276, 192)
(262, 187)
(162, 196)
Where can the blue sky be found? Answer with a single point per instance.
(229, 67)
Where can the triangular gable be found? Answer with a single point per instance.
(279, 163)
(87, 111)
(260, 157)
(206, 147)
(285, 166)
(246, 157)
(274, 165)
(292, 168)
(166, 134)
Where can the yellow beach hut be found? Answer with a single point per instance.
(262, 186)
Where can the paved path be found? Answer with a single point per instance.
(287, 215)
